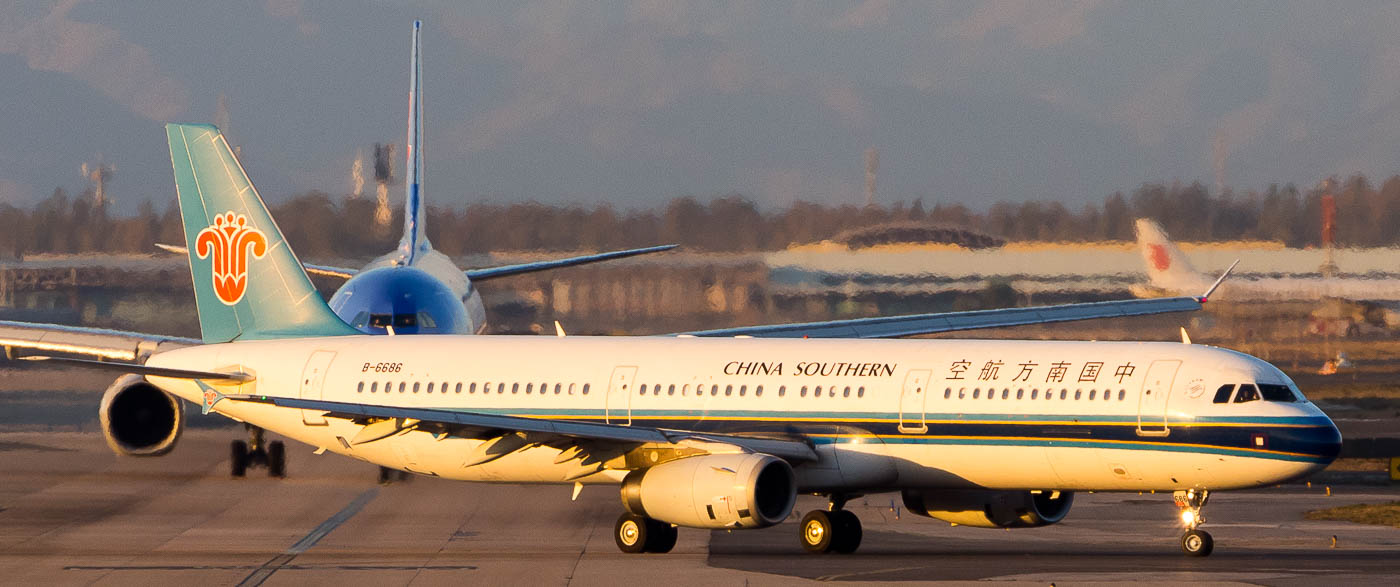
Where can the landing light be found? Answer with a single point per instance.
(1188, 517)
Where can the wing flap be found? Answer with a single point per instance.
(896, 326)
(536, 430)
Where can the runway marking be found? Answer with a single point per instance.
(281, 561)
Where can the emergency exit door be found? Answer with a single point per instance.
(619, 402)
(911, 401)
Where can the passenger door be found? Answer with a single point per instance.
(1152, 403)
(313, 378)
(619, 402)
(911, 401)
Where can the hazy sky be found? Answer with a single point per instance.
(635, 103)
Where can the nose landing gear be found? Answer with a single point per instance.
(1194, 542)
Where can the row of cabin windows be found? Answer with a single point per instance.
(488, 387)
(1064, 394)
(1249, 392)
(743, 390)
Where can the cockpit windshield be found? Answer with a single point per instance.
(1249, 392)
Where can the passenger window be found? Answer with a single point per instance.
(1034, 393)
(459, 388)
(860, 392)
(685, 390)
(571, 388)
(758, 391)
(1092, 393)
(1276, 393)
(948, 393)
(1064, 393)
(1247, 393)
(671, 390)
(360, 388)
(714, 390)
(1122, 393)
(1222, 395)
(515, 388)
(1077, 393)
(818, 392)
(782, 391)
(962, 391)
(1020, 393)
(402, 386)
(804, 391)
(743, 389)
(846, 392)
(585, 388)
(1006, 394)
(642, 390)
(976, 392)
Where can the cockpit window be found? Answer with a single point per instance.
(380, 320)
(405, 320)
(1222, 395)
(426, 320)
(361, 320)
(1248, 393)
(1277, 393)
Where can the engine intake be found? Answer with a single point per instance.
(991, 509)
(713, 491)
(138, 419)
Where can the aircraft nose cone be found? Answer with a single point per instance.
(1331, 447)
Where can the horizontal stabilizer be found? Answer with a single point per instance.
(505, 270)
(148, 370)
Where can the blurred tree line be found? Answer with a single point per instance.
(321, 226)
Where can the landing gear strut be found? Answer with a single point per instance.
(636, 534)
(1194, 542)
(835, 530)
(253, 453)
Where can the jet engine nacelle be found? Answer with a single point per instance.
(138, 419)
(991, 509)
(713, 491)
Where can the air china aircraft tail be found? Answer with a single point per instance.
(248, 283)
(1167, 267)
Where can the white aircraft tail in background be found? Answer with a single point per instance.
(1168, 269)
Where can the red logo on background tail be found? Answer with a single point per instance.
(1159, 257)
(230, 241)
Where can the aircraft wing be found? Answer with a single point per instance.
(504, 270)
(325, 270)
(20, 338)
(534, 430)
(909, 325)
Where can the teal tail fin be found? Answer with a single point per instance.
(247, 282)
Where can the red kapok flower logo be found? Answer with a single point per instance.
(230, 241)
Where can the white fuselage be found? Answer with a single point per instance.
(883, 414)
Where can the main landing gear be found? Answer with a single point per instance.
(253, 453)
(636, 534)
(1194, 542)
(833, 530)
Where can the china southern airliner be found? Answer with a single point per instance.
(711, 429)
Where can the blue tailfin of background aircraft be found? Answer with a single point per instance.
(247, 282)
(415, 232)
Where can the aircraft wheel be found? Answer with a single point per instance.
(847, 532)
(238, 458)
(276, 459)
(661, 537)
(1197, 543)
(817, 532)
(630, 532)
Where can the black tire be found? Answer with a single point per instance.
(848, 532)
(1197, 543)
(661, 537)
(276, 459)
(815, 532)
(386, 475)
(630, 533)
(238, 458)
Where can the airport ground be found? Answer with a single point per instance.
(73, 513)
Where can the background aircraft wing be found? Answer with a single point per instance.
(504, 270)
(22, 338)
(896, 326)
(326, 270)
(390, 420)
